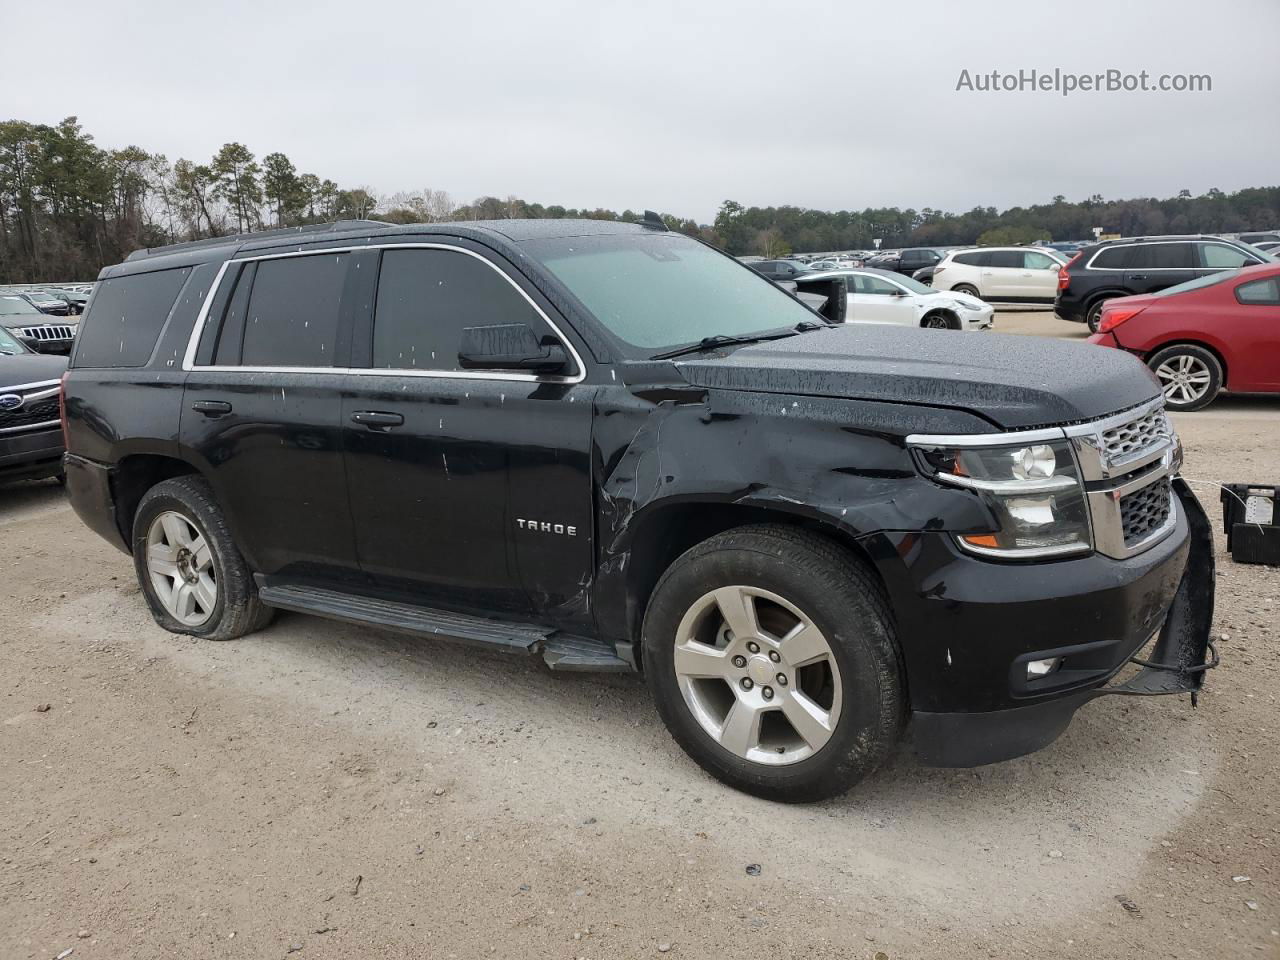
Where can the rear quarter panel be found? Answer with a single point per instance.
(113, 412)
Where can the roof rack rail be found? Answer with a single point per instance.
(336, 226)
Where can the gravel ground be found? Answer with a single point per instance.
(336, 792)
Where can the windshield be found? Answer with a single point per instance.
(10, 306)
(1198, 283)
(8, 344)
(1262, 255)
(657, 291)
(915, 286)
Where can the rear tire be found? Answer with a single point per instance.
(1094, 317)
(194, 578)
(818, 703)
(967, 288)
(1189, 375)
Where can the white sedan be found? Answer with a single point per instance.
(881, 296)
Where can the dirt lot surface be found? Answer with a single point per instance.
(334, 792)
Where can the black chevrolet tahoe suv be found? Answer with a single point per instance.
(614, 448)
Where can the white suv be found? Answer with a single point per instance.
(1009, 274)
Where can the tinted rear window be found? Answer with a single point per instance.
(125, 318)
(975, 259)
(292, 315)
(1006, 258)
(1162, 256)
(1112, 258)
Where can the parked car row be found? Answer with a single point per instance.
(43, 332)
(56, 300)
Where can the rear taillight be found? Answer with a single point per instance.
(62, 409)
(1112, 317)
(1064, 278)
(938, 270)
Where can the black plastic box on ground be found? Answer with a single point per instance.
(1249, 515)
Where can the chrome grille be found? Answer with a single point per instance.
(48, 331)
(39, 407)
(1131, 440)
(1145, 511)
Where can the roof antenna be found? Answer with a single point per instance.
(653, 221)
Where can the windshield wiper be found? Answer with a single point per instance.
(721, 339)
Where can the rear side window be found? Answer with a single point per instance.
(124, 322)
(291, 316)
(1112, 258)
(427, 297)
(1162, 256)
(975, 259)
(1263, 292)
(1218, 256)
(1006, 258)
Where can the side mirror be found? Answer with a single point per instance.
(510, 346)
(898, 292)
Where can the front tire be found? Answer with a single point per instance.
(939, 321)
(190, 570)
(772, 658)
(1190, 376)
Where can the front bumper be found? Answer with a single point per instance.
(31, 455)
(969, 627)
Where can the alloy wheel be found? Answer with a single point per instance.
(180, 564)
(758, 675)
(1185, 378)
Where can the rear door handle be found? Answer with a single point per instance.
(212, 408)
(376, 420)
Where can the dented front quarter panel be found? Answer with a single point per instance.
(839, 463)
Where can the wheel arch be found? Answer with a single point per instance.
(136, 473)
(665, 530)
(953, 318)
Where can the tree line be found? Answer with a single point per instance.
(69, 207)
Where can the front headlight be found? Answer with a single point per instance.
(969, 305)
(1033, 491)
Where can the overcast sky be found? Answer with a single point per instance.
(670, 105)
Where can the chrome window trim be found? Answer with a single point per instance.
(45, 425)
(1250, 261)
(189, 365)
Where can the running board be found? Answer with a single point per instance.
(559, 651)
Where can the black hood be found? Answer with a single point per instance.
(1015, 382)
(29, 368)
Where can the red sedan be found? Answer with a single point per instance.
(1220, 332)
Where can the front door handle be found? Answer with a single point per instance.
(377, 420)
(1137, 276)
(212, 408)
